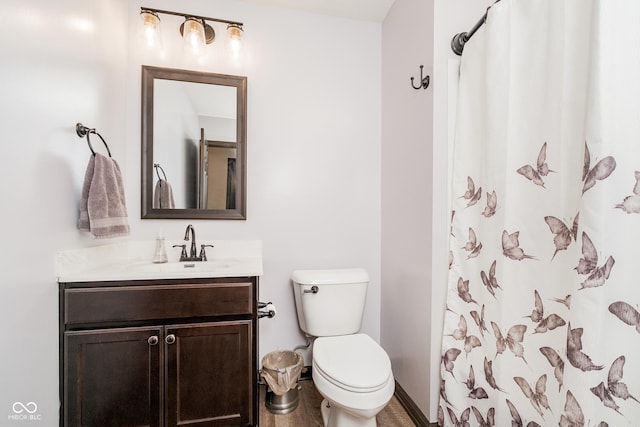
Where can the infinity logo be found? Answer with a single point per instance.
(19, 407)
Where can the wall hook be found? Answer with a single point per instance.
(424, 81)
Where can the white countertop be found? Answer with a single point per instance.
(133, 261)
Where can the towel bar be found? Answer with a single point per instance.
(82, 130)
(157, 166)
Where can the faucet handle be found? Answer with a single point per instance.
(183, 255)
(203, 254)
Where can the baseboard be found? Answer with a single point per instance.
(416, 415)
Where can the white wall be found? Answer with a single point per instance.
(415, 137)
(314, 157)
(67, 65)
(406, 193)
(176, 136)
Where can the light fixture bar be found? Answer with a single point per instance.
(189, 15)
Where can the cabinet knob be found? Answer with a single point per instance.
(153, 340)
(170, 339)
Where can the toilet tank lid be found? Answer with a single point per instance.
(330, 277)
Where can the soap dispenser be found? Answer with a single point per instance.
(161, 251)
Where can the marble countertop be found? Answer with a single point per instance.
(133, 261)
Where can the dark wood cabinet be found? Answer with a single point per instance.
(112, 377)
(207, 384)
(159, 353)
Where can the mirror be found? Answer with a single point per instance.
(193, 144)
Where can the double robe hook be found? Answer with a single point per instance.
(424, 81)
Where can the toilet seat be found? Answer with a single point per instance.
(352, 362)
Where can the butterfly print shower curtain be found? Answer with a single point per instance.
(542, 326)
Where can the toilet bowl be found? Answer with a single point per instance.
(353, 375)
(349, 369)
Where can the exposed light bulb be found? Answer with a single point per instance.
(150, 27)
(193, 34)
(235, 37)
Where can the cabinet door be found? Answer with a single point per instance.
(209, 374)
(113, 377)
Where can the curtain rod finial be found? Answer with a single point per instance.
(457, 43)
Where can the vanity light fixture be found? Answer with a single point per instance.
(195, 30)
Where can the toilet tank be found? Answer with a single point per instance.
(337, 305)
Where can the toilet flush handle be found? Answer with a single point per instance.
(314, 290)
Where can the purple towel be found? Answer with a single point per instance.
(103, 210)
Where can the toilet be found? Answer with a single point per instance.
(349, 369)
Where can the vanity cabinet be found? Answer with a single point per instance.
(159, 353)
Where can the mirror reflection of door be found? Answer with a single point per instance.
(219, 169)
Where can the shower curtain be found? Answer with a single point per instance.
(542, 323)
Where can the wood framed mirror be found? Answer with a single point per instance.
(194, 127)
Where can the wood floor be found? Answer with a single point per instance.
(307, 414)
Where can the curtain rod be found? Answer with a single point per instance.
(458, 41)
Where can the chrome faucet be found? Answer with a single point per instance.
(192, 252)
